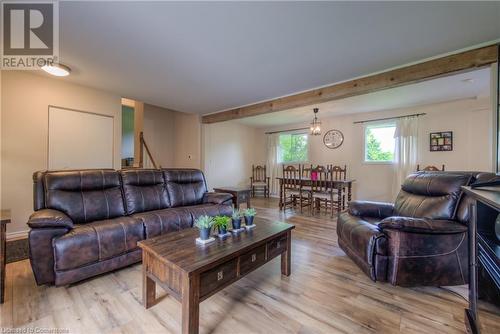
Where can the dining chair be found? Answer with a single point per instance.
(322, 190)
(431, 168)
(292, 188)
(305, 171)
(259, 179)
(339, 174)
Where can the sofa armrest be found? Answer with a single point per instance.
(49, 218)
(217, 198)
(370, 209)
(422, 225)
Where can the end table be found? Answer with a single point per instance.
(240, 195)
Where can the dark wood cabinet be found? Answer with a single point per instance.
(484, 262)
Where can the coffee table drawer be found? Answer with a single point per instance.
(276, 246)
(217, 277)
(252, 260)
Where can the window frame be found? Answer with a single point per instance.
(298, 132)
(381, 124)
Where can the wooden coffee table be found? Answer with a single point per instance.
(191, 273)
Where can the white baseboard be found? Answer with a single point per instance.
(17, 235)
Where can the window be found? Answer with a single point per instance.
(293, 147)
(379, 142)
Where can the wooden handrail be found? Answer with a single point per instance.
(141, 152)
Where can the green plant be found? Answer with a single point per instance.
(204, 222)
(221, 222)
(250, 212)
(236, 214)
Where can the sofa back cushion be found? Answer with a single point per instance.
(432, 195)
(185, 186)
(144, 190)
(86, 195)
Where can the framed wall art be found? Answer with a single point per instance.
(441, 141)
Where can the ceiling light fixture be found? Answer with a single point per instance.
(59, 70)
(315, 124)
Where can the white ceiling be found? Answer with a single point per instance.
(203, 57)
(460, 86)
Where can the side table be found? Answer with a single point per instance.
(240, 195)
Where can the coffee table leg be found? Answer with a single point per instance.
(190, 304)
(148, 291)
(286, 256)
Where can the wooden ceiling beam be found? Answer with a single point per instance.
(434, 68)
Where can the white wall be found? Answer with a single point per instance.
(24, 124)
(471, 123)
(230, 149)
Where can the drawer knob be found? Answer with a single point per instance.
(254, 257)
(278, 244)
(220, 275)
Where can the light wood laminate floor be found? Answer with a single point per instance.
(326, 293)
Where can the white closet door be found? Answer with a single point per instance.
(79, 139)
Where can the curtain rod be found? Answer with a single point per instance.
(387, 118)
(273, 132)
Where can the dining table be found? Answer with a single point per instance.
(344, 188)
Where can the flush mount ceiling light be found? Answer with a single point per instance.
(315, 124)
(59, 70)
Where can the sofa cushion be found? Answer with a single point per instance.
(144, 190)
(185, 186)
(84, 196)
(97, 241)
(164, 221)
(432, 195)
(208, 210)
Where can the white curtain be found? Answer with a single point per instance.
(272, 162)
(406, 150)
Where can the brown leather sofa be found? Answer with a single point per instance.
(421, 239)
(88, 222)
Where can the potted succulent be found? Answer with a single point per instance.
(204, 224)
(221, 223)
(236, 219)
(249, 214)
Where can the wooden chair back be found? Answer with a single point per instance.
(305, 171)
(338, 173)
(291, 177)
(431, 168)
(259, 173)
(320, 183)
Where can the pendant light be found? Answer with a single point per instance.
(315, 124)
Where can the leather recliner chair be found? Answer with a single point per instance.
(421, 239)
(88, 222)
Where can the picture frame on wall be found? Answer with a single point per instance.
(441, 141)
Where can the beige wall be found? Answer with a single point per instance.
(24, 130)
(230, 149)
(158, 127)
(174, 138)
(471, 123)
(187, 138)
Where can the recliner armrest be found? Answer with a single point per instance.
(49, 218)
(422, 225)
(371, 209)
(217, 198)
